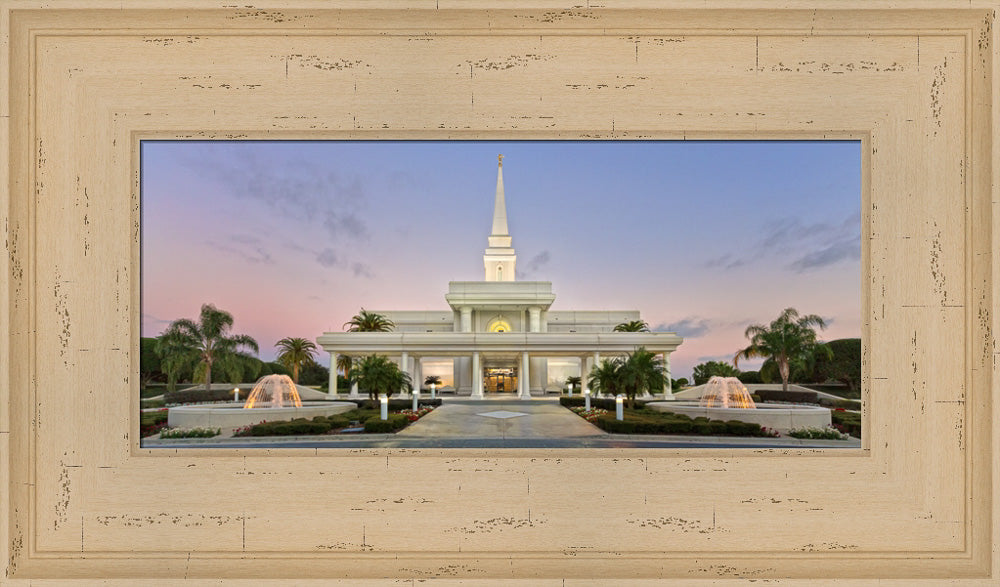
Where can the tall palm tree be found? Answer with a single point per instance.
(632, 326)
(642, 371)
(789, 339)
(207, 341)
(378, 375)
(366, 321)
(296, 352)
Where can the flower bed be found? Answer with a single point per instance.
(189, 432)
(590, 415)
(828, 433)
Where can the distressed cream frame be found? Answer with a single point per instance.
(915, 81)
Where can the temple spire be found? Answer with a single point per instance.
(499, 205)
(499, 260)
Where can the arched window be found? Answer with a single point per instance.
(499, 272)
(498, 325)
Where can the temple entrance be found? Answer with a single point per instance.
(500, 380)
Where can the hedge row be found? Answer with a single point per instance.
(679, 424)
(604, 403)
(398, 404)
(850, 422)
(777, 395)
(847, 404)
(323, 424)
(187, 396)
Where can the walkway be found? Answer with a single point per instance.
(500, 418)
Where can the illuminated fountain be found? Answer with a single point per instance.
(272, 391)
(273, 398)
(726, 398)
(726, 392)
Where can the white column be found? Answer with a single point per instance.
(466, 319)
(597, 361)
(523, 381)
(331, 391)
(534, 319)
(668, 390)
(585, 366)
(404, 364)
(417, 374)
(477, 376)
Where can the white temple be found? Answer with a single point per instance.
(499, 335)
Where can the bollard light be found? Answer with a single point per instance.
(586, 399)
(416, 399)
(236, 394)
(384, 400)
(571, 390)
(432, 391)
(619, 407)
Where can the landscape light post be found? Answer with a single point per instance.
(384, 401)
(416, 398)
(619, 407)
(236, 394)
(432, 391)
(571, 390)
(586, 399)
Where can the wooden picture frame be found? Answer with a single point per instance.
(915, 81)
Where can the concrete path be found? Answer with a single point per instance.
(500, 418)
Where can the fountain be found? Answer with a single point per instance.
(272, 391)
(726, 392)
(273, 398)
(726, 398)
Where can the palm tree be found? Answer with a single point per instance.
(378, 375)
(295, 352)
(207, 341)
(642, 371)
(574, 381)
(432, 379)
(605, 377)
(789, 339)
(366, 321)
(632, 326)
(344, 363)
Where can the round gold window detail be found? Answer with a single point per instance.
(499, 325)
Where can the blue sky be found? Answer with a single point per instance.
(703, 237)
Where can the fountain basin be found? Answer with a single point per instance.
(778, 416)
(229, 417)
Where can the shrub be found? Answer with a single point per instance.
(777, 395)
(849, 422)
(394, 423)
(749, 377)
(189, 432)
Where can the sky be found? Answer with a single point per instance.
(704, 238)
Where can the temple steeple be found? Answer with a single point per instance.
(499, 259)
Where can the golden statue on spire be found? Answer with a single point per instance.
(500, 158)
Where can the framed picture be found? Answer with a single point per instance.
(915, 83)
